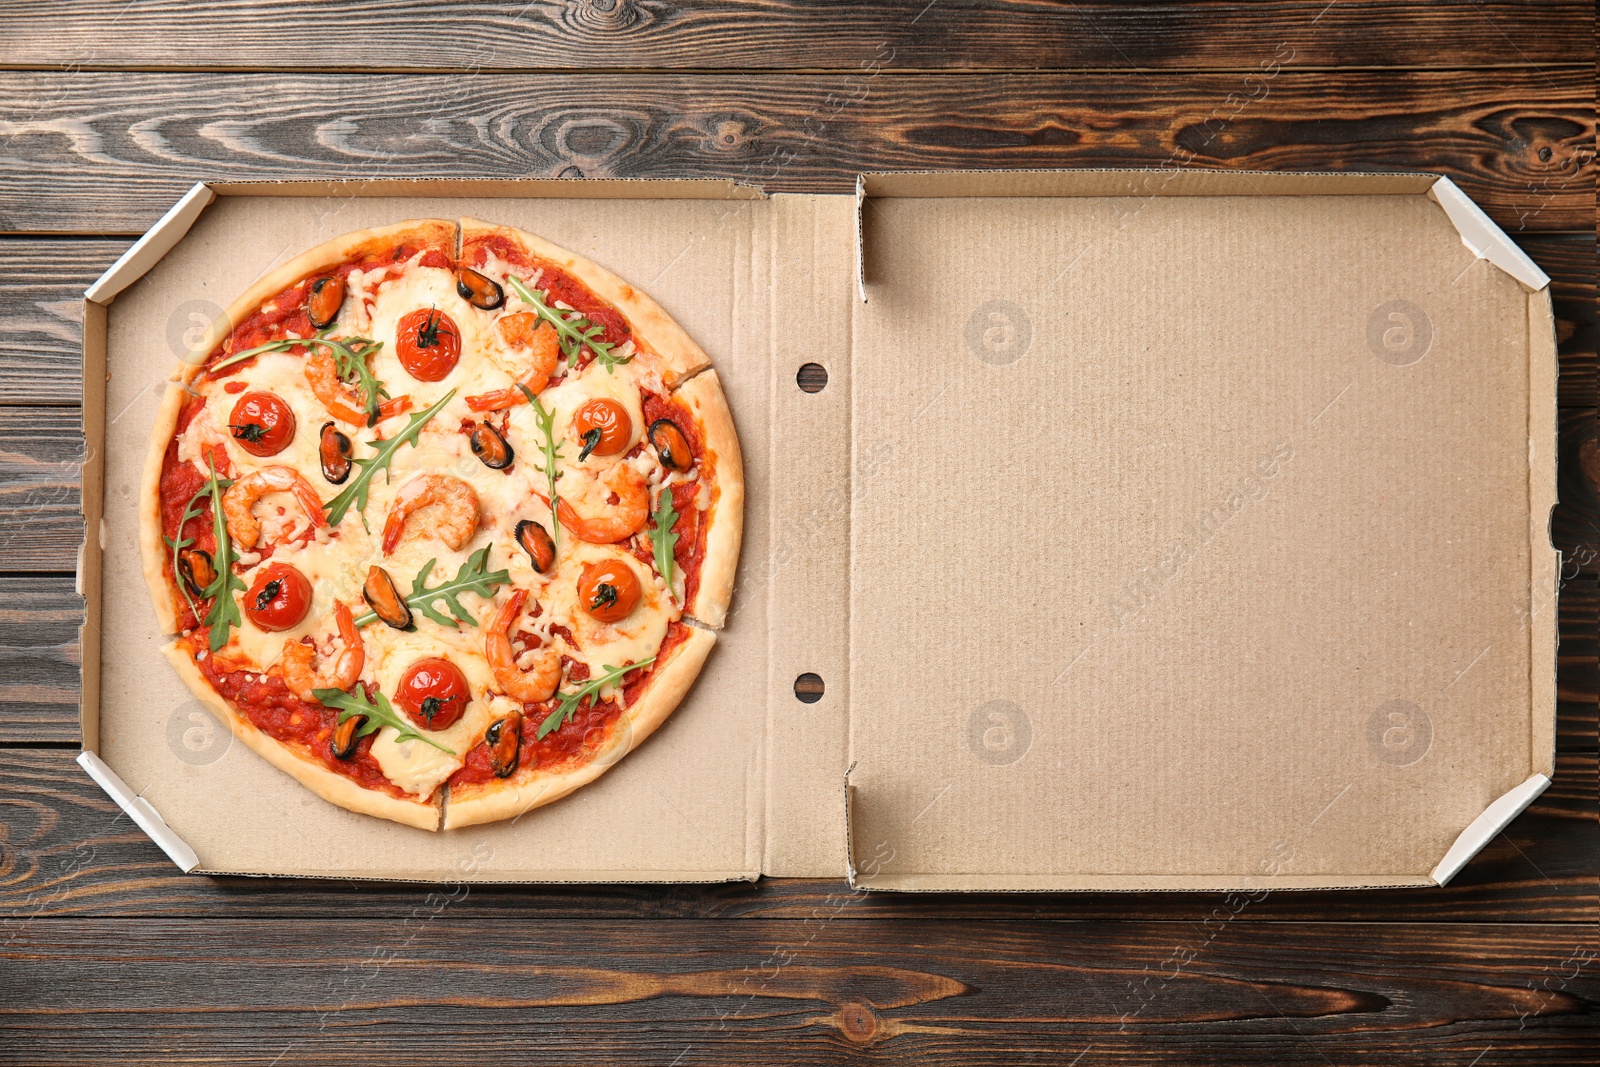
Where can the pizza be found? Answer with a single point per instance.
(442, 520)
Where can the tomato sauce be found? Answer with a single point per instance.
(278, 713)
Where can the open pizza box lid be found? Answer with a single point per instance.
(1153, 530)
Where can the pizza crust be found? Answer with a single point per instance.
(164, 595)
(493, 801)
(704, 398)
(332, 787)
(679, 356)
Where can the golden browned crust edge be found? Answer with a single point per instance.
(679, 355)
(703, 396)
(152, 551)
(433, 233)
(334, 788)
(494, 801)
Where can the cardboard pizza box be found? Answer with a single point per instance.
(1131, 530)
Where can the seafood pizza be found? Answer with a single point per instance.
(442, 520)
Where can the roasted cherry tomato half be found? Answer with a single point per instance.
(434, 693)
(429, 345)
(608, 591)
(278, 599)
(262, 423)
(603, 426)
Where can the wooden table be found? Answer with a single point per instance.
(109, 111)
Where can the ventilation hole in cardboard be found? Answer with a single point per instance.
(808, 688)
(813, 377)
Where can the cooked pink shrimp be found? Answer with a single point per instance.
(457, 517)
(338, 672)
(242, 496)
(530, 686)
(627, 515)
(523, 331)
(339, 398)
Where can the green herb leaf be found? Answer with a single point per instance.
(377, 715)
(356, 492)
(570, 701)
(664, 540)
(224, 613)
(349, 360)
(552, 452)
(574, 331)
(191, 511)
(473, 576)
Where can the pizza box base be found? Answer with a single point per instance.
(1153, 530)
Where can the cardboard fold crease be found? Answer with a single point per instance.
(1154, 530)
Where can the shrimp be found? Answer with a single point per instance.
(243, 495)
(523, 331)
(628, 516)
(338, 672)
(340, 399)
(457, 518)
(530, 686)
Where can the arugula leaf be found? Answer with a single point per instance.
(376, 715)
(474, 576)
(191, 511)
(570, 701)
(356, 492)
(552, 452)
(349, 360)
(224, 613)
(573, 329)
(662, 537)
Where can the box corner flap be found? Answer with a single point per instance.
(140, 811)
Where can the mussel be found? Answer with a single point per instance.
(196, 570)
(536, 541)
(334, 448)
(671, 446)
(504, 738)
(385, 600)
(489, 446)
(477, 290)
(324, 301)
(343, 739)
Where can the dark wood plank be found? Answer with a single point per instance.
(786, 34)
(41, 456)
(842, 991)
(111, 152)
(69, 852)
(1570, 261)
(39, 661)
(1575, 526)
(41, 315)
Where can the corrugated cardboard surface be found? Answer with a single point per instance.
(1183, 539)
(1199, 551)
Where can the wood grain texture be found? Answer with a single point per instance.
(67, 851)
(438, 989)
(111, 152)
(791, 34)
(39, 661)
(41, 457)
(41, 315)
